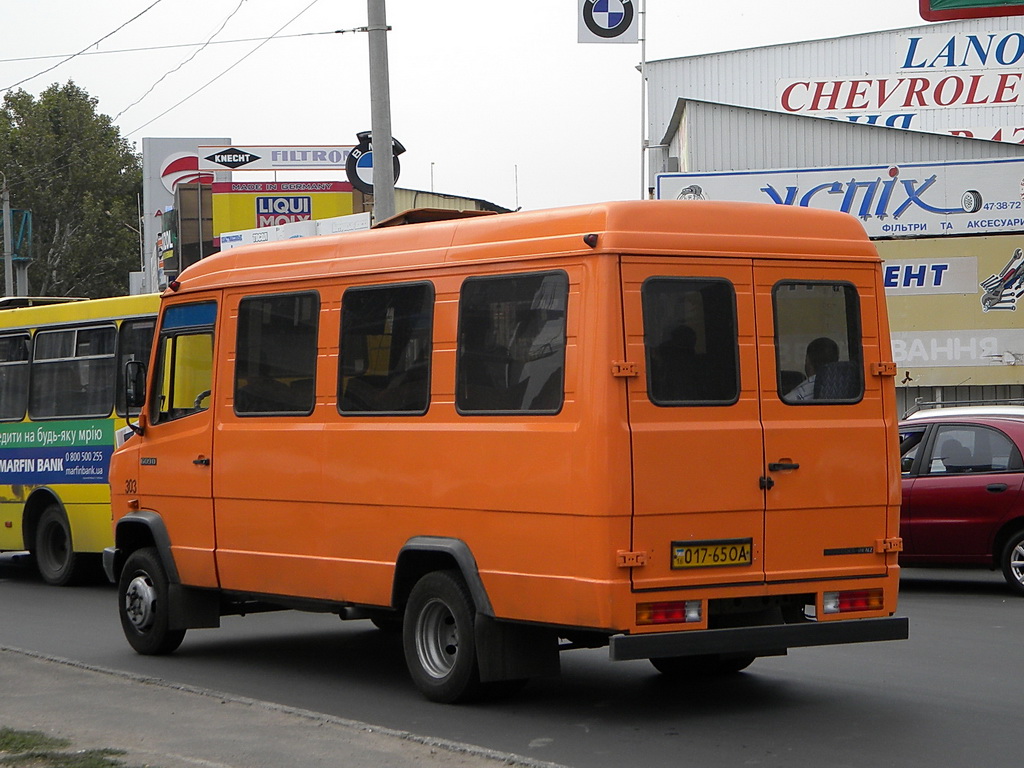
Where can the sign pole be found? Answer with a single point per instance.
(643, 99)
(380, 113)
(9, 289)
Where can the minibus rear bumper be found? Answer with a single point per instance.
(768, 640)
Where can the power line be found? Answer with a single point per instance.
(218, 77)
(81, 52)
(195, 53)
(180, 45)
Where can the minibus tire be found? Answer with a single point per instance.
(438, 638)
(713, 665)
(56, 559)
(142, 594)
(1012, 562)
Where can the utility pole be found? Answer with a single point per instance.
(9, 289)
(380, 113)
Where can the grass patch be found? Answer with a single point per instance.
(29, 749)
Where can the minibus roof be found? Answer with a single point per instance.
(648, 227)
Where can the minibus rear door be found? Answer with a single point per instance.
(694, 413)
(824, 419)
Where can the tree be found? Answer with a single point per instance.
(71, 168)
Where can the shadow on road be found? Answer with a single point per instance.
(954, 581)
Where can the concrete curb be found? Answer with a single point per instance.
(39, 694)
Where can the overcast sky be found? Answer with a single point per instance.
(491, 99)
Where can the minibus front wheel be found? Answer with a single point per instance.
(438, 638)
(144, 606)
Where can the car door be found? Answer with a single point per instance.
(968, 481)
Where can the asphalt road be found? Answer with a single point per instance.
(949, 696)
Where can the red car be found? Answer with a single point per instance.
(963, 502)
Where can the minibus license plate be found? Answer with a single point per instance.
(711, 554)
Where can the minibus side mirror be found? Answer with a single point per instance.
(135, 390)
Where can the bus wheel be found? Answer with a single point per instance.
(56, 559)
(1013, 562)
(438, 638)
(143, 604)
(702, 666)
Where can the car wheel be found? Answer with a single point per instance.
(56, 559)
(1012, 561)
(438, 638)
(702, 666)
(144, 605)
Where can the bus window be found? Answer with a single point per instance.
(690, 341)
(818, 343)
(511, 343)
(134, 339)
(275, 363)
(185, 361)
(13, 376)
(385, 349)
(73, 373)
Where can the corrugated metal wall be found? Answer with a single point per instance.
(749, 77)
(717, 137)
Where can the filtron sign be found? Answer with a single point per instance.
(330, 157)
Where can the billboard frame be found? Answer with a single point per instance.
(970, 12)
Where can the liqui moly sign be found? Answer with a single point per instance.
(915, 200)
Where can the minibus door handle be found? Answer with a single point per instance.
(780, 466)
(202, 461)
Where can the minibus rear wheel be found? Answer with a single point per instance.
(143, 604)
(438, 638)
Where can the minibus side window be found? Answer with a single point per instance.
(73, 373)
(13, 376)
(384, 357)
(690, 341)
(511, 343)
(134, 340)
(818, 343)
(275, 362)
(184, 366)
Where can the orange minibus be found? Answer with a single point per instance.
(665, 427)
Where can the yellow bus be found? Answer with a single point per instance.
(60, 365)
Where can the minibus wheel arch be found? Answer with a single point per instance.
(143, 529)
(36, 504)
(423, 554)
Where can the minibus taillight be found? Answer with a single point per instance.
(675, 612)
(855, 600)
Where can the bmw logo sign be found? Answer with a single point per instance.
(608, 18)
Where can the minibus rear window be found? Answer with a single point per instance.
(818, 343)
(511, 348)
(134, 340)
(13, 376)
(73, 373)
(690, 341)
